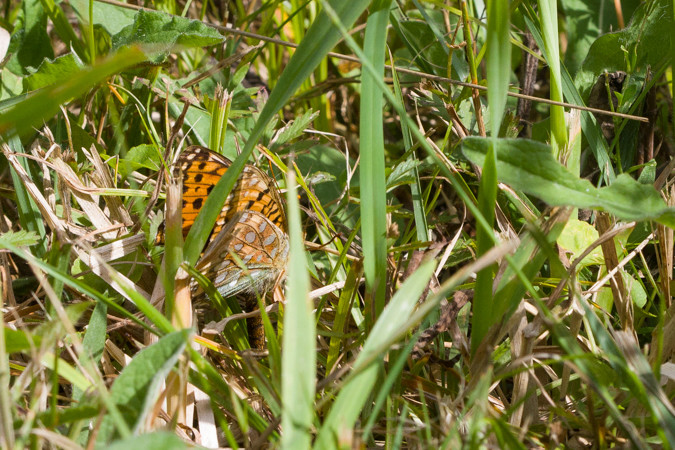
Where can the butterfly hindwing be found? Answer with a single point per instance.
(247, 257)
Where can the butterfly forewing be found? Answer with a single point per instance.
(202, 168)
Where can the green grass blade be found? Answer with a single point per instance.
(421, 226)
(498, 60)
(342, 314)
(372, 174)
(483, 318)
(548, 10)
(498, 70)
(298, 362)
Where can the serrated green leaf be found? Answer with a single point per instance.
(159, 34)
(136, 388)
(294, 129)
(19, 238)
(402, 174)
(112, 18)
(53, 71)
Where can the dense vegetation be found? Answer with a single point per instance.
(480, 204)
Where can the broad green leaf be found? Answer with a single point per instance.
(635, 290)
(30, 42)
(142, 156)
(584, 22)
(51, 418)
(53, 72)
(136, 388)
(530, 167)
(112, 18)
(20, 341)
(576, 237)
(159, 34)
(639, 45)
(11, 87)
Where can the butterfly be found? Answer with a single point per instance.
(247, 251)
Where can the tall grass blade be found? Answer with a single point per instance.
(372, 175)
(548, 10)
(498, 69)
(298, 363)
(498, 60)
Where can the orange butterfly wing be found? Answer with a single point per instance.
(254, 191)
